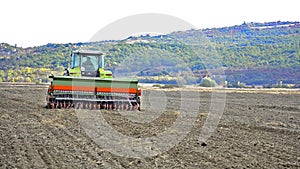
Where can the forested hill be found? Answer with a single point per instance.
(252, 53)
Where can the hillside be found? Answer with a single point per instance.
(252, 53)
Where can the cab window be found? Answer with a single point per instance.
(75, 60)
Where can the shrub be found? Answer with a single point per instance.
(208, 82)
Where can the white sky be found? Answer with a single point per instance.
(38, 22)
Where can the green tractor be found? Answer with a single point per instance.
(89, 64)
(87, 85)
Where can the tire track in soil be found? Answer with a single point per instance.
(34, 155)
(59, 143)
(87, 153)
(79, 145)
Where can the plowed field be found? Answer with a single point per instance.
(256, 130)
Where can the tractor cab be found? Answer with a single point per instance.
(89, 64)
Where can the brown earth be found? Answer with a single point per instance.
(257, 130)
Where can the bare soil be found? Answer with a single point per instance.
(257, 130)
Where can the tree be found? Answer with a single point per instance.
(2, 74)
(208, 82)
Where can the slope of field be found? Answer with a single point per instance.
(257, 130)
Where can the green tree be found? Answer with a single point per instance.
(208, 82)
(2, 74)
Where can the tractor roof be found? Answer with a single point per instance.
(88, 52)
